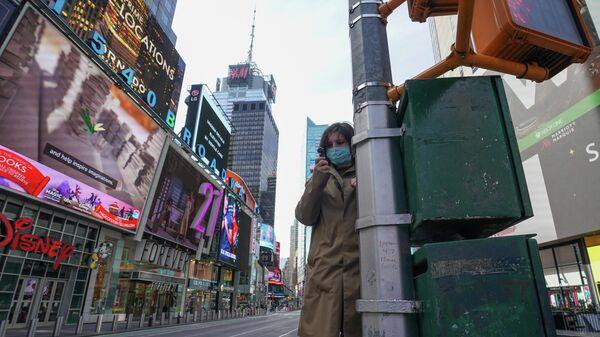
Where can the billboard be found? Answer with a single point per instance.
(207, 130)
(238, 187)
(267, 236)
(234, 241)
(186, 204)
(125, 34)
(239, 74)
(68, 134)
(557, 123)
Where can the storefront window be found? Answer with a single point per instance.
(593, 249)
(566, 277)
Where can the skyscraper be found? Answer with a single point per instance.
(313, 137)
(247, 96)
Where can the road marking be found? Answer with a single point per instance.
(287, 333)
(243, 333)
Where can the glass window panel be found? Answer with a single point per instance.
(78, 243)
(81, 230)
(75, 259)
(60, 286)
(39, 268)
(66, 238)
(29, 213)
(85, 260)
(79, 287)
(44, 219)
(547, 258)
(27, 267)
(12, 211)
(51, 272)
(92, 233)
(58, 223)
(40, 231)
(13, 265)
(89, 246)
(82, 274)
(70, 227)
(16, 252)
(565, 255)
(5, 300)
(8, 282)
(55, 235)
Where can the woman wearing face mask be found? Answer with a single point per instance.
(329, 206)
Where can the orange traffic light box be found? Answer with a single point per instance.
(549, 33)
(420, 10)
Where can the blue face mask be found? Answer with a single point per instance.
(339, 155)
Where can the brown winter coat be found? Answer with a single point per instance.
(333, 276)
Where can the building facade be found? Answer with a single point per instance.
(313, 137)
(164, 11)
(557, 124)
(247, 97)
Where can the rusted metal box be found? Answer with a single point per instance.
(464, 176)
(484, 288)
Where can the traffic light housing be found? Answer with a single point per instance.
(549, 33)
(420, 10)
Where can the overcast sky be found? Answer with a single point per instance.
(305, 45)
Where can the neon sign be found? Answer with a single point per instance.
(18, 238)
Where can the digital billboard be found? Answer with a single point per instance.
(207, 130)
(125, 34)
(557, 123)
(68, 135)
(267, 236)
(183, 203)
(234, 242)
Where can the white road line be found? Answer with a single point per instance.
(287, 333)
(249, 331)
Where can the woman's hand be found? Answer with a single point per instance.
(322, 165)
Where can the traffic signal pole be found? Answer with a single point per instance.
(387, 291)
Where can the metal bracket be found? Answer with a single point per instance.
(383, 220)
(367, 103)
(362, 16)
(358, 3)
(389, 306)
(376, 133)
(370, 84)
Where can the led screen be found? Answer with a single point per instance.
(234, 242)
(68, 135)
(267, 236)
(183, 202)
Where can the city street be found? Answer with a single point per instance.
(272, 325)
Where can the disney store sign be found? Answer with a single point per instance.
(16, 237)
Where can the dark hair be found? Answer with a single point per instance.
(345, 129)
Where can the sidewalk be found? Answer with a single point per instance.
(89, 329)
(564, 333)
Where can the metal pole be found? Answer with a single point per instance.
(142, 318)
(32, 327)
(57, 327)
(79, 329)
(387, 290)
(99, 323)
(129, 321)
(115, 323)
(3, 327)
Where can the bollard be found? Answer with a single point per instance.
(32, 327)
(129, 321)
(79, 329)
(162, 318)
(170, 320)
(3, 326)
(196, 316)
(142, 318)
(99, 323)
(57, 326)
(115, 323)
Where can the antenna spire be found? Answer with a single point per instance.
(252, 36)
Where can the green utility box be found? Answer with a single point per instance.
(482, 288)
(464, 177)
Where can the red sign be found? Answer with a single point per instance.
(23, 173)
(239, 72)
(17, 238)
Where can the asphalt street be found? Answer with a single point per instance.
(272, 325)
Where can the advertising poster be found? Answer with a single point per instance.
(230, 231)
(234, 245)
(207, 130)
(133, 39)
(183, 202)
(557, 123)
(267, 236)
(68, 134)
(239, 188)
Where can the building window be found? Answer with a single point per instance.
(253, 106)
(261, 106)
(244, 107)
(236, 107)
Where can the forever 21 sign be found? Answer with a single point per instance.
(162, 255)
